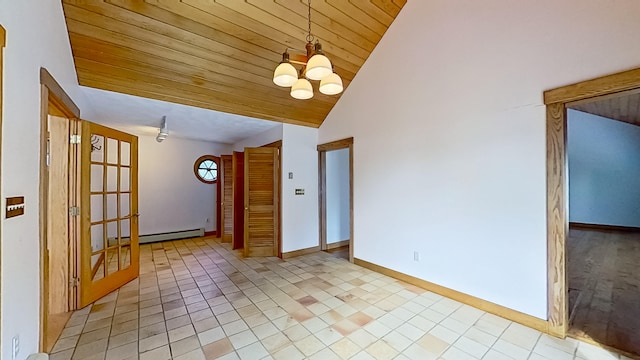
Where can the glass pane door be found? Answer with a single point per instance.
(110, 224)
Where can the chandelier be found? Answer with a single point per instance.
(315, 66)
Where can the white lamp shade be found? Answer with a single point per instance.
(285, 75)
(302, 89)
(318, 67)
(331, 85)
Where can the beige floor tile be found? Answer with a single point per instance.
(289, 353)
(275, 342)
(211, 335)
(345, 348)
(309, 345)
(253, 351)
(153, 342)
(184, 346)
(242, 339)
(454, 353)
(65, 343)
(381, 350)
(123, 339)
(62, 355)
(181, 333)
(128, 352)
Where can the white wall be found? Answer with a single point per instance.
(337, 193)
(449, 104)
(36, 37)
(171, 198)
(604, 170)
(267, 137)
(300, 225)
(299, 155)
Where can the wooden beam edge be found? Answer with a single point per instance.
(58, 92)
(622, 81)
(3, 37)
(336, 145)
(603, 227)
(291, 254)
(499, 310)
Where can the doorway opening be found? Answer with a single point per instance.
(603, 243)
(585, 281)
(336, 197)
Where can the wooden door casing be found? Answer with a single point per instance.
(227, 198)
(237, 162)
(261, 202)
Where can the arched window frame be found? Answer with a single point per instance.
(197, 166)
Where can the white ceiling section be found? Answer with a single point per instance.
(142, 116)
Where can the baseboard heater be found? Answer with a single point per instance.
(175, 235)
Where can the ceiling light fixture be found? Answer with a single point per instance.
(315, 66)
(163, 133)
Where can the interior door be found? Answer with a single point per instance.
(227, 198)
(237, 164)
(109, 250)
(260, 201)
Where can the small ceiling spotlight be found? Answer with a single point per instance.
(163, 130)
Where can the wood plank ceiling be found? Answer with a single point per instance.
(220, 54)
(622, 107)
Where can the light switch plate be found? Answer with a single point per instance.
(15, 206)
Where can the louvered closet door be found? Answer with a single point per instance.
(260, 201)
(227, 198)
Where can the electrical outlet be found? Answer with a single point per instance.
(15, 342)
(416, 256)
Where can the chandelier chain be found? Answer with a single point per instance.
(309, 36)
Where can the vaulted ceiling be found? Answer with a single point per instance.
(220, 54)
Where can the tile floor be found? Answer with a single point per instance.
(197, 299)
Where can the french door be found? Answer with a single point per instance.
(109, 250)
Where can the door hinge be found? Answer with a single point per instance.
(74, 282)
(74, 139)
(48, 156)
(74, 210)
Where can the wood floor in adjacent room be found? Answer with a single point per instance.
(604, 287)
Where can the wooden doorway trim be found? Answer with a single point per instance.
(54, 101)
(322, 184)
(556, 101)
(3, 37)
(226, 223)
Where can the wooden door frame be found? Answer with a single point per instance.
(222, 185)
(322, 185)
(50, 93)
(556, 101)
(3, 37)
(237, 208)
